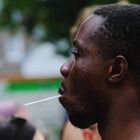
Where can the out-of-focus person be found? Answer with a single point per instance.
(12, 108)
(14, 116)
(71, 132)
(16, 128)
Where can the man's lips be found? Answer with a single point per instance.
(61, 90)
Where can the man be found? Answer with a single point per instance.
(101, 81)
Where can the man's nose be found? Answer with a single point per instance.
(65, 68)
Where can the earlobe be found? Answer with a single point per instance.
(118, 69)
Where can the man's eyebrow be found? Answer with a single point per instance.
(76, 43)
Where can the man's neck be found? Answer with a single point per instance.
(123, 121)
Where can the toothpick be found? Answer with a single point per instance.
(46, 99)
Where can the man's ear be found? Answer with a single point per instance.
(117, 69)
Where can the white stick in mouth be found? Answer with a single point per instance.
(46, 99)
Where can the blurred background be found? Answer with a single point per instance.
(35, 40)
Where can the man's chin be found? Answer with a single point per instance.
(80, 122)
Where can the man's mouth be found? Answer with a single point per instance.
(61, 90)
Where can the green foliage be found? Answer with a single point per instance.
(25, 8)
(57, 16)
(102, 1)
(62, 14)
(135, 1)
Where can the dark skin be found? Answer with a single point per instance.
(100, 90)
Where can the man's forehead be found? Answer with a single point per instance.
(93, 21)
(90, 25)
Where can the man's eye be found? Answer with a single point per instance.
(75, 52)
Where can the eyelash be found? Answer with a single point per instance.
(75, 52)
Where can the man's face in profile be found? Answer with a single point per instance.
(84, 76)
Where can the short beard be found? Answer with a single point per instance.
(80, 120)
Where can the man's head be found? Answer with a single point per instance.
(106, 46)
(119, 34)
(16, 128)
